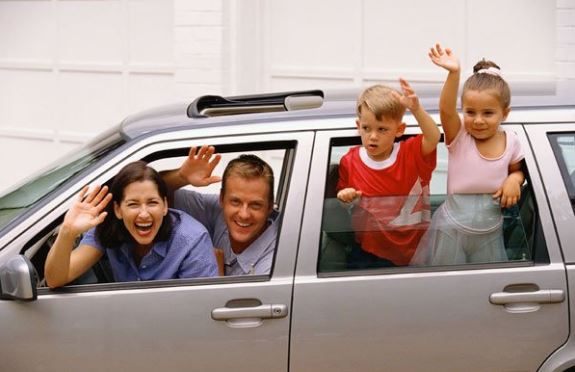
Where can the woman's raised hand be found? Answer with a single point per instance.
(88, 210)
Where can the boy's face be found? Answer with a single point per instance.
(378, 136)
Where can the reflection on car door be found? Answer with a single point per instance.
(423, 320)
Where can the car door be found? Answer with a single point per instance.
(489, 316)
(227, 323)
(554, 145)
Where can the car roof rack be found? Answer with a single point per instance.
(209, 105)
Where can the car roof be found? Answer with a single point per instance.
(526, 96)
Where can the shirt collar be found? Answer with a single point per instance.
(251, 255)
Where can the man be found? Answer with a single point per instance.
(241, 221)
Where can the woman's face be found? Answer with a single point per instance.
(142, 210)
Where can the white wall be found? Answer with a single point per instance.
(70, 68)
(361, 42)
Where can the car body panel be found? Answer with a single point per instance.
(430, 318)
(412, 319)
(123, 328)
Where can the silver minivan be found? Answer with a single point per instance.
(312, 313)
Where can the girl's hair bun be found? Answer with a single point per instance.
(484, 65)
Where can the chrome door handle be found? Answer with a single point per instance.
(260, 312)
(544, 296)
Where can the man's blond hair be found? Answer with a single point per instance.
(381, 102)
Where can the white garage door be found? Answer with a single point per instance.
(70, 68)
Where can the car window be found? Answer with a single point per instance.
(278, 155)
(514, 233)
(563, 145)
(22, 197)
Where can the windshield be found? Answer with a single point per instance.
(20, 198)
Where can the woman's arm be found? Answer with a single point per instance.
(64, 263)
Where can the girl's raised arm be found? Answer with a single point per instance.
(450, 119)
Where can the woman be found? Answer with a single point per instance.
(143, 239)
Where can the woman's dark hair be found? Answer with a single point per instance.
(112, 233)
(486, 75)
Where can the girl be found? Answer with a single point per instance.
(484, 164)
(144, 240)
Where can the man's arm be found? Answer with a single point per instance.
(196, 170)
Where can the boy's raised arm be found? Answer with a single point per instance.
(428, 126)
(450, 120)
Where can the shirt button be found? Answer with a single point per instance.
(144, 266)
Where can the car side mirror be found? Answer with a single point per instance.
(18, 279)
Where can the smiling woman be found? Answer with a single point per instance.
(132, 225)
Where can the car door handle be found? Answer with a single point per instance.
(260, 312)
(544, 296)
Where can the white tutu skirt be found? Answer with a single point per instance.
(464, 229)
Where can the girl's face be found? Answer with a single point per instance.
(482, 113)
(142, 210)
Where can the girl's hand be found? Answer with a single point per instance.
(409, 99)
(510, 192)
(87, 210)
(347, 195)
(444, 58)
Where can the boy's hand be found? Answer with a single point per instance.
(444, 58)
(198, 167)
(409, 99)
(509, 193)
(347, 195)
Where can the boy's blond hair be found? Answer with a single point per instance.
(380, 101)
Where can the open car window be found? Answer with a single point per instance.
(279, 155)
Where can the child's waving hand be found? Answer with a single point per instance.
(444, 58)
(409, 99)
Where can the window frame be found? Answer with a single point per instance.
(155, 148)
(309, 265)
(562, 164)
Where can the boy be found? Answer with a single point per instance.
(390, 179)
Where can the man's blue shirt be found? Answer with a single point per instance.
(255, 259)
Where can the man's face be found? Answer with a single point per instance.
(246, 207)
